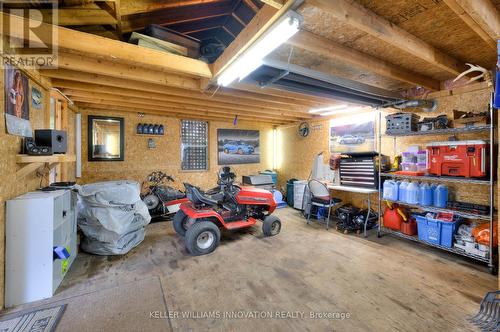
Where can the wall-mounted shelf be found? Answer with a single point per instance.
(149, 135)
(32, 163)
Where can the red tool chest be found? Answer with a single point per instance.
(458, 158)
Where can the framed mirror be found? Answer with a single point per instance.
(105, 138)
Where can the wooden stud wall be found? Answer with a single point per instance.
(140, 161)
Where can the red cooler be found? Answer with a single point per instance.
(458, 158)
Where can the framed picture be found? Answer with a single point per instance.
(17, 112)
(352, 134)
(106, 138)
(235, 146)
(36, 98)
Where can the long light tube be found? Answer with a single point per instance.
(351, 109)
(253, 57)
(275, 148)
(330, 108)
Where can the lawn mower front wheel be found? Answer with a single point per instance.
(202, 238)
(181, 223)
(271, 226)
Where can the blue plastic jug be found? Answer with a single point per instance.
(402, 190)
(426, 195)
(441, 196)
(412, 193)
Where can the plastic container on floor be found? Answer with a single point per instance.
(289, 191)
(298, 194)
(436, 231)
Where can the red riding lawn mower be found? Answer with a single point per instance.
(226, 206)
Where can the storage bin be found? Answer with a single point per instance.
(298, 194)
(436, 231)
(289, 191)
(409, 167)
(273, 175)
(408, 157)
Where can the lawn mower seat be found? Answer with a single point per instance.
(197, 197)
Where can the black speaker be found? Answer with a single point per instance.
(32, 149)
(55, 139)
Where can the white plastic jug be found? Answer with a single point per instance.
(412, 193)
(390, 190)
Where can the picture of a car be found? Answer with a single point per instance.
(237, 147)
(351, 139)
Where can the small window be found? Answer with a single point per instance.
(194, 145)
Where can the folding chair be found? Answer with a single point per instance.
(320, 196)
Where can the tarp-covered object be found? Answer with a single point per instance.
(112, 217)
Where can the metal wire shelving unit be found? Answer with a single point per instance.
(489, 183)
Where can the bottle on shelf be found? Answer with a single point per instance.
(426, 195)
(441, 196)
(390, 190)
(412, 193)
(402, 190)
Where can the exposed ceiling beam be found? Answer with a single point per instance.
(274, 3)
(361, 18)
(165, 111)
(325, 47)
(147, 6)
(80, 16)
(251, 5)
(177, 101)
(92, 65)
(254, 99)
(110, 50)
(481, 16)
(123, 100)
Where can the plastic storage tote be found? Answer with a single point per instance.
(273, 175)
(436, 231)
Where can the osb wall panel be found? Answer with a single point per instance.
(140, 161)
(297, 153)
(10, 146)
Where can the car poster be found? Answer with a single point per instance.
(352, 134)
(235, 146)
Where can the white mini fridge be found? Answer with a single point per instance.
(38, 223)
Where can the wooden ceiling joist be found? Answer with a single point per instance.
(81, 16)
(128, 94)
(92, 65)
(147, 6)
(111, 50)
(171, 112)
(64, 78)
(274, 3)
(325, 47)
(481, 16)
(363, 19)
(120, 100)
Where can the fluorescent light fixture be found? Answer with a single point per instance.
(275, 148)
(351, 109)
(252, 58)
(331, 108)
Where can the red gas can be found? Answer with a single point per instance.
(458, 158)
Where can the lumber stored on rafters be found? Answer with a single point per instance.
(361, 18)
(80, 16)
(274, 3)
(325, 47)
(111, 50)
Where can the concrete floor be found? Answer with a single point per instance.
(304, 279)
